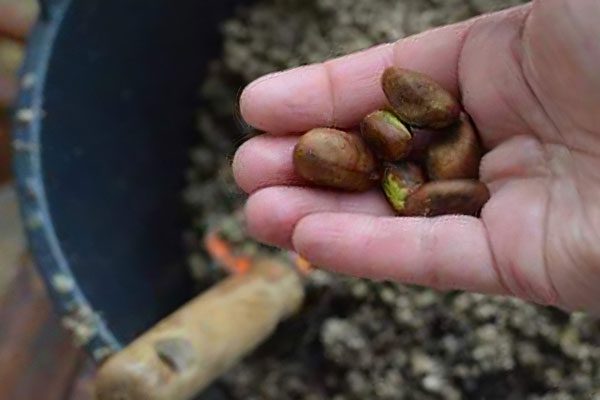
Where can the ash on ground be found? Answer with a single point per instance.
(357, 339)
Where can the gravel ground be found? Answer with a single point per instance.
(357, 339)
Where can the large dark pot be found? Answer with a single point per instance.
(102, 127)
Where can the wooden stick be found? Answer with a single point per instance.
(184, 353)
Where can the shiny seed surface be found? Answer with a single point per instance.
(386, 135)
(464, 197)
(456, 155)
(335, 159)
(418, 100)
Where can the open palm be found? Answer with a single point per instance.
(529, 79)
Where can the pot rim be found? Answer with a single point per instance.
(87, 326)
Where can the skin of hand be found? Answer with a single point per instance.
(528, 76)
(16, 18)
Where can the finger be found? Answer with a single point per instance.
(337, 92)
(444, 253)
(8, 91)
(4, 149)
(341, 91)
(11, 56)
(17, 18)
(265, 161)
(273, 212)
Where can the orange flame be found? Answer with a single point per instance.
(223, 253)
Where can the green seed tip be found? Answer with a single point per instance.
(395, 192)
(393, 120)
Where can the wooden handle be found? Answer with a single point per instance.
(184, 353)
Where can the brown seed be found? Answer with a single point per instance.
(400, 181)
(335, 159)
(421, 141)
(461, 196)
(386, 135)
(418, 100)
(456, 155)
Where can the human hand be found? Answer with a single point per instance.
(529, 79)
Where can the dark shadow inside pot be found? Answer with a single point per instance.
(119, 101)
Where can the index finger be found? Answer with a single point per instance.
(340, 91)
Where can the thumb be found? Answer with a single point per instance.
(561, 57)
(533, 71)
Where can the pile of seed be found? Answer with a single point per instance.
(356, 339)
(441, 179)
